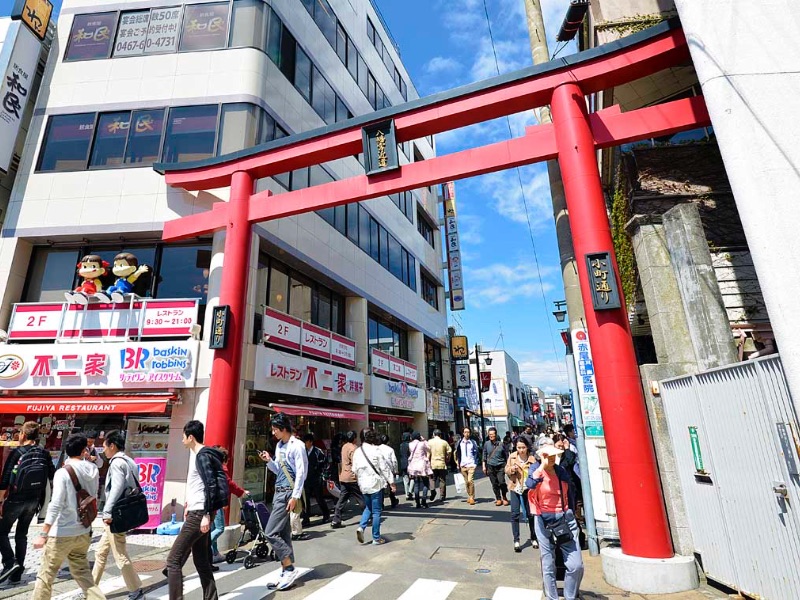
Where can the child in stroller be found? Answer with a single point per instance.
(254, 519)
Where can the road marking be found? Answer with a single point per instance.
(344, 587)
(429, 589)
(192, 583)
(257, 588)
(107, 586)
(509, 593)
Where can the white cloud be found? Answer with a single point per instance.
(470, 230)
(540, 370)
(501, 283)
(442, 64)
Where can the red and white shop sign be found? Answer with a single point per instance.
(343, 350)
(316, 341)
(283, 330)
(156, 318)
(410, 372)
(381, 363)
(386, 365)
(397, 368)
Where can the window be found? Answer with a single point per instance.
(342, 112)
(91, 36)
(384, 248)
(352, 222)
(205, 27)
(300, 297)
(309, 5)
(324, 98)
(352, 60)
(238, 127)
(433, 365)
(266, 132)
(395, 256)
(412, 273)
(274, 32)
(300, 179)
(132, 33)
(184, 272)
(51, 272)
(370, 31)
(144, 138)
(425, 230)
(66, 142)
(387, 337)
(363, 76)
(326, 20)
(374, 236)
(430, 291)
(371, 89)
(278, 296)
(364, 232)
(191, 133)
(341, 219)
(341, 43)
(288, 54)
(302, 73)
(109, 141)
(248, 27)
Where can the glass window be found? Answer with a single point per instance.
(302, 73)
(378, 45)
(318, 176)
(371, 90)
(109, 141)
(284, 179)
(278, 297)
(191, 133)
(412, 272)
(248, 27)
(323, 308)
(352, 59)
(132, 33)
(385, 338)
(395, 255)
(288, 54)
(342, 113)
(51, 272)
(364, 229)
(91, 36)
(384, 249)
(363, 76)
(266, 132)
(309, 4)
(66, 142)
(324, 101)
(184, 272)
(238, 127)
(144, 139)
(404, 92)
(352, 222)
(337, 313)
(404, 265)
(162, 33)
(329, 215)
(341, 219)
(145, 254)
(205, 27)
(341, 43)
(430, 292)
(374, 237)
(274, 32)
(370, 31)
(300, 179)
(300, 297)
(387, 61)
(425, 230)
(326, 19)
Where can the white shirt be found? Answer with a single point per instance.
(62, 512)
(294, 454)
(390, 456)
(369, 481)
(195, 488)
(467, 460)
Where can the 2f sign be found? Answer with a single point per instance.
(34, 321)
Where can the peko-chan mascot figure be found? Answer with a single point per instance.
(127, 271)
(92, 269)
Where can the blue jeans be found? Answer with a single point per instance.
(519, 514)
(573, 561)
(373, 506)
(217, 530)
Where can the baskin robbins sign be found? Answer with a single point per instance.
(99, 366)
(396, 394)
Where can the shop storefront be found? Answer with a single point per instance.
(394, 406)
(441, 414)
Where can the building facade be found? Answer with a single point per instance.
(504, 401)
(346, 323)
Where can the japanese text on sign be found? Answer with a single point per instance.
(603, 281)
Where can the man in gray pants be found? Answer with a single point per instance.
(290, 467)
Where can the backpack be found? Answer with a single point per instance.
(87, 504)
(217, 487)
(29, 476)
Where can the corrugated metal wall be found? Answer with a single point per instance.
(747, 535)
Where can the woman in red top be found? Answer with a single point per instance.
(549, 501)
(219, 519)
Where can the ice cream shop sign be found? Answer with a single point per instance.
(99, 366)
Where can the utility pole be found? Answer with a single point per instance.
(480, 392)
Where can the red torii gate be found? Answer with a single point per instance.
(572, 138)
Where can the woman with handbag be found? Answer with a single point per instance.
(419, 467)
(556, 527)
(122, 482)
(517, 467)
(374, 475)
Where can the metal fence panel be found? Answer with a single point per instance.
(748, 438)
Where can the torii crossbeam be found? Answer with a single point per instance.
(572, 138)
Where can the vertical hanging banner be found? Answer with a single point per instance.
(152, 473)
(587, 386)
(18, 60)
(454, 272)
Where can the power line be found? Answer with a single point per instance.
(525, 205)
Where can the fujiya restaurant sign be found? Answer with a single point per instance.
(396, 394)
(283, 373)
(98, 366)
(286, 331)
(386, 365)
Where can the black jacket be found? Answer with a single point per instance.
(316, 466)
(215, 481)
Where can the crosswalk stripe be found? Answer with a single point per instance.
(107, 586)
(192, 583)
(510, 593)
(430, 589)
(257, 589)
(345, 586)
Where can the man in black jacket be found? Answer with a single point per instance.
(22, 492)
(495, 456)
(206, 492)
(313, 487)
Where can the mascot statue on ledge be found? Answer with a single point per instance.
(127, 270)
(92, 268)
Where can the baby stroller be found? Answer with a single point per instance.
(254, 519)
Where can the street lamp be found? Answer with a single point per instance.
(488, 361)
(560, 313)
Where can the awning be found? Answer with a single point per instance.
(143, 403)
(517, 422)
(316, 411)
(393, 418)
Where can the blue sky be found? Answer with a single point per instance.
(445, 44)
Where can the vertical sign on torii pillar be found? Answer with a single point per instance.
(573, 138)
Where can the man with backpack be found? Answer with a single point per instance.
(206, 493)
(67, 530)
(22, 491)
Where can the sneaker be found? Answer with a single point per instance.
(517, 547)
(214, 568)
(137, 595)
(360, 535)
(433, 495)
(285, 581)
(379, 542)
(217, 558)
(470, 501)
(534, 543)
(337, 525)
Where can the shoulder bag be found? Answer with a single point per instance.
(559, 529)
(86, 503)
(298, 505)
(130, 509)
(378, 473)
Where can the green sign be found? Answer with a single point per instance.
(698, 456)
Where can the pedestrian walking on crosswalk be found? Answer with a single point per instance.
(419, 467)
(347, 479)
(440, 457)
(290, 467)
(374, 474)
